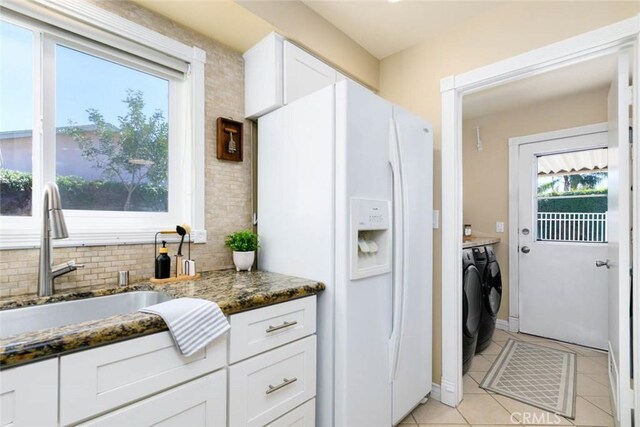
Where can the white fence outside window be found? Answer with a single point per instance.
(572, 227)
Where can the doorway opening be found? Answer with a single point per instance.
(532, 65)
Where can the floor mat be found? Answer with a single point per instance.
(539, 376)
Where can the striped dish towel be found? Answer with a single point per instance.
(193, 322)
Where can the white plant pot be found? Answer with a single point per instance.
(243, 260)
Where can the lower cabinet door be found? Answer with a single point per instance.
(198, 403)
(303, 416)
(268, 386)
(29, 395)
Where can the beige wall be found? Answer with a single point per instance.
(486, 172)
(412, 77)
(228, 188)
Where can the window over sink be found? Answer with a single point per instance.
(115, 121)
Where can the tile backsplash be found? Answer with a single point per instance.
(228, 187)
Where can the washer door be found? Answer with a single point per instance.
(471, 301)
(492, 288)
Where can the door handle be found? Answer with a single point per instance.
(606, 263)
(525, 249)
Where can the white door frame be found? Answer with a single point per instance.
(514, 222)
(577, 49)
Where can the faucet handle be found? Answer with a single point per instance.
(73, 264)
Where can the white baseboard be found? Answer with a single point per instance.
(435, 392)
(514, 324)
(502, 324)
(448, 393)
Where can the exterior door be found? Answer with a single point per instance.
(617, 261)
(562, 233)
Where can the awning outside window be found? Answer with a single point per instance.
(574, 162)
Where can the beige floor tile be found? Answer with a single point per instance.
(588, 414)
(470, 386)
(526, 337)
(530, 414)
(434, 412)
(483, 409)
(587, 386)
(408, 420)
(587, 366)
(585, 351)
(602, 360)
(494, 348)
(476, 375)
(600, 378)
(500, 336)
(603, 403)
(445, 425)
(480, 364)
(490, 357)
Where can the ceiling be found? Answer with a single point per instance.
(222, 20)
(384, 28)
(578, 78)
(379, 26)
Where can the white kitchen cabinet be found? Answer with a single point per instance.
(303, 416)
(269, 385)
(29, 395)
(263, 70)
(263, 371)
(304, 73)
(257, 331)
(199, 403)
(272, 365)
(277, 72)
(101, 379)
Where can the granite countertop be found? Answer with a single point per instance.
(232, 291)
(473, 241)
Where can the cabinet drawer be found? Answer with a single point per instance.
(303, 416)
(267, 386)
(29, 395)
(262, 329)
(101, 379)
(199, 403)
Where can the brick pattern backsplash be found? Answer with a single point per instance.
(228, 187)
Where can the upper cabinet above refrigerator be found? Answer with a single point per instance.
(278, 72)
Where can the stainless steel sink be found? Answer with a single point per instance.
(34, 318)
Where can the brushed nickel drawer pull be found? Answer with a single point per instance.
(284, 325)
(285, 382)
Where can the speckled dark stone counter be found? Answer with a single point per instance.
(472, 242)
(233, 292)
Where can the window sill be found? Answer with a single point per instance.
(31, 239)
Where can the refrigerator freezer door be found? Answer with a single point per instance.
(362, 306)
(412, 380)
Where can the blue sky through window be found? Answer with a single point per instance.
(82, 82)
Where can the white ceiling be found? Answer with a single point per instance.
(573, 79)
(384, 28)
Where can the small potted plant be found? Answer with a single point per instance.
(243, 244)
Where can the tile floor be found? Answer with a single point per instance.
(480, 407)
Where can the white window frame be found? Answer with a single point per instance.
(186, 190)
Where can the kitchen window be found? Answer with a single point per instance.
(116, 123)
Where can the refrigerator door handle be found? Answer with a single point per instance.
(399, 236)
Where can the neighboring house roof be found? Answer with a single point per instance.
(11, 134)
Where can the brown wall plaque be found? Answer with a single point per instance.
(229, 139)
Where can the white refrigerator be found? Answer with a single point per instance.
(345, 197)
